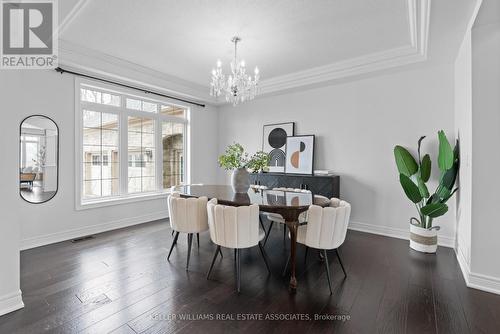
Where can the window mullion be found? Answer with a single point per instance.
(123, 151)
(159, 154)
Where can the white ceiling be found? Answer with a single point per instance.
(288, 39)
(185, 38)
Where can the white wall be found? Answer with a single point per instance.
(357, 125)
(10, 221)
(486, 159)
(463, 125)
(52, 94)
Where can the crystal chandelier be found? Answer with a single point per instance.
(238, 86)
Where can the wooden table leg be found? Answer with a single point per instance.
(292, 226)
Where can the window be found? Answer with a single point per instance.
(96, 160)
(30, 148)
(131, 146)
(141, 144)
(100, 138)
(173, 153)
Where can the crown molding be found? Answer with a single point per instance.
(107, 66)
(115, 68)
(416, 51)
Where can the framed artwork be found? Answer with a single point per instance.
(299, 155)
(274, 143)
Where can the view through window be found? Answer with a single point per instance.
(130, 145)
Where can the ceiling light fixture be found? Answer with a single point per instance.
(239, 86)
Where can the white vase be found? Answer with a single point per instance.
(422, 239)
(240, 180)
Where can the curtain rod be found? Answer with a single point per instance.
(61, 70)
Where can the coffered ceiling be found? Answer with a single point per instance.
(294, 42)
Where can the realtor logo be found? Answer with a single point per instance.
(28, 40)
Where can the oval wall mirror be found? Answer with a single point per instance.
(38, 159)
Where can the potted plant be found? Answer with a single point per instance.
(236, 159)
(413, 176)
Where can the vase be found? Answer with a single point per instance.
(422, 239)
(240, 180)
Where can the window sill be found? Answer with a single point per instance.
(111, 201)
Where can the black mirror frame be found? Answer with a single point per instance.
(57, 156)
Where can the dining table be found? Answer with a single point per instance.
(288, 204)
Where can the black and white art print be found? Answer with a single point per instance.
(274, 143)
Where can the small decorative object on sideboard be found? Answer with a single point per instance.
(236, 159)
(299, 154)
(413, 177)
(274, 143)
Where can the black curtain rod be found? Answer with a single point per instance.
(61, 70)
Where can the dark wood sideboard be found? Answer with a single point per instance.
(328, 185)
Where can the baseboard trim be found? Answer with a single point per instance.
(11, 302)
(92, 229)
(394, 232)
(477, 281)
(484, 283)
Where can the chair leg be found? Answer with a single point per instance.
(190, 243)
(327, 267)
(268, 232)
(261, 223)
(286, 265)
(198, 239)
(173, 232)
(238, 270)
(217, 251)
(264, 256)
(340, 261)
(174, 242)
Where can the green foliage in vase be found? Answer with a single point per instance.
(235, 157)
(414, 175)
(259, 162)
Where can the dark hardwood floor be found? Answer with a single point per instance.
(120, 282)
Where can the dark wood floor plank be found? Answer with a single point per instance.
(421, 317)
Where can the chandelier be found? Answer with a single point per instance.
(238, 86)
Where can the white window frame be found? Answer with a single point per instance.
(123, 115)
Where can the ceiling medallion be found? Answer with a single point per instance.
(238, 86)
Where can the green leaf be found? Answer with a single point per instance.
(434, 210)
(420, 143)
(405, 161)
(449, 177)
(444, 200)
(443, 193)
(411, 190)
(422, 187)
(425, 168)
(445, 157)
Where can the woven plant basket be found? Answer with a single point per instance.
(422, 239)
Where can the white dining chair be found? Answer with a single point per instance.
(237, 228)
(277, 218)
(173, 189)
(187, 215)
(326, 229)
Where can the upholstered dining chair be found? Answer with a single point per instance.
(326, 229)
(237, 228)
(173, 190)
(187, 215)
(277, 218)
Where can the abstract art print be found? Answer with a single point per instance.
(299, 154)
(274, 143)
